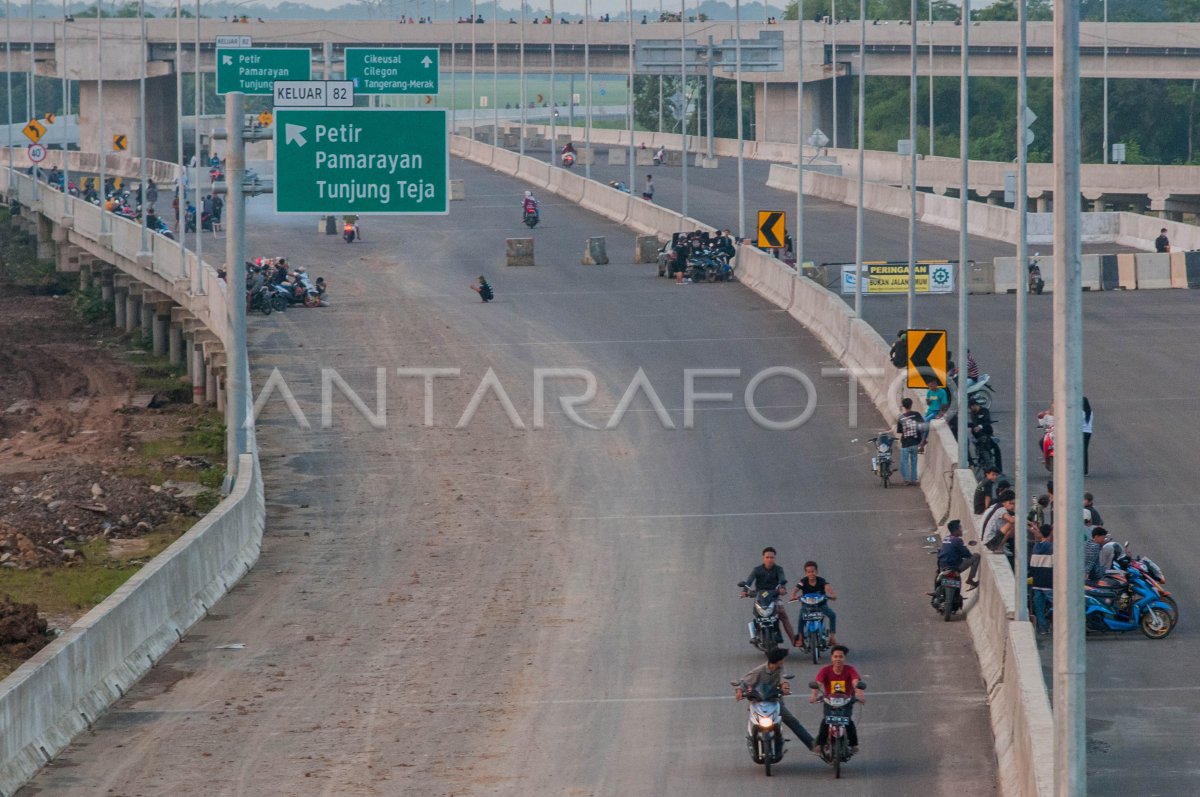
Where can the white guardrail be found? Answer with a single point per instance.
(63, 689)
(1016, 691)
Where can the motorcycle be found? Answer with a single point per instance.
(978, 390)
(984, 453)
(1036, 283)
(838, 713)
(1145, 568)
(946, 598)
(881, 463)
(764, 728)
(764, 628)
(660, 157)
(348, 234)
(568, 160)
(260, 300)
(530, 219)
(813, 625)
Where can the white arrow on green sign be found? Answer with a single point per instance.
(254, 70)
(362, 160)
(393, 70)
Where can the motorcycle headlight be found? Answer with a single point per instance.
(766, 722)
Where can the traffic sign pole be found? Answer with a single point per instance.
(235, 259)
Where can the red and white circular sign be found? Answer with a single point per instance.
(37, 153)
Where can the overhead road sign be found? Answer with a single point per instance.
(393, 70)
(772, 229)
(663, 56)
(254, 70)
(926, 358)
(34, 130)
(37, 153)
(120, 142)
(361, 160)
(233, 41)
(314, 94)
(931, 276)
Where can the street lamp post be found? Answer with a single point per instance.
(912, 164)
(521, 70)
(1021, 443)
(858, 211)
(8, 87)
(1105, 156)
(587, 88)
(143, 205)
(101, 150)
(741, 175)
(798, 239)
(931, 80)
(964, 193)
(553, 101)
(833, 57)
(198, 273)
(180, 199)
(474, 95)
(629, 104)
(683, 133)
(495, 76)
(66, 92)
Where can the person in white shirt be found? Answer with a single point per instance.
(1088, 416)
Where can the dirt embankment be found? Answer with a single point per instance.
(93, 480)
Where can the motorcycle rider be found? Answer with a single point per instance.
(813, 584)
(954, 554)
(568, 147)
(771, 674)
(770, 577)
(838, 678)
(529, 204)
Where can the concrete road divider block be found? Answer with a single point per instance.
(705, 162)
(595, 252)
(1109, 279)
(1192, 259)
(644, 157)
(1089, 267)
(1153, 270)
(617, 156)
(1127, 271)
(584, 156)
(458, 190)
(645, 249)
(674, 158)
(980, 275)
(1179, 270)
(328, 225)
(518, 252)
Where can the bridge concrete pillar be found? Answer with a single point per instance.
(175, 344)
(147, 322)
(133, 311)
(775, 114)
(120, 305)
(198, 372)
(210, 383)
(1043, 204)
(122, 108)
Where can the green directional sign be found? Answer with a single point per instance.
(254, 70)
(392, 70)
(361, 160)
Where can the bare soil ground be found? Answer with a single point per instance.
(85, 466)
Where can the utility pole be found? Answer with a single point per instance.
(798, 239)
(1021, 542)
(964, 193)
(238, 399)
(859, 278)
(143, 203)
(1070, 665)
(741, 174)
(912, 165)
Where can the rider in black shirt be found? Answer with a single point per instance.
(770, 576)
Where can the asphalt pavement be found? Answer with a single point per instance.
(468, 607)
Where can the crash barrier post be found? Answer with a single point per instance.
(518, 252)
(595, 252)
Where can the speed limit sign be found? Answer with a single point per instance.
(37, 153)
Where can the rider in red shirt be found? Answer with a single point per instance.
(838, 678)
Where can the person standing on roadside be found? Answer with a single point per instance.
(1041, 575)
(1087, 431)
(648, 189)
(909, 428)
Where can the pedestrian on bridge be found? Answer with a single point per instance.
(1162, 243)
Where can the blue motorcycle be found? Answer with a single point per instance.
(814, 628)
(1120, 603)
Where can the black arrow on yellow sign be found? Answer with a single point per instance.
(771, 224)
(34, 131)
(926, 358)
(120, 142)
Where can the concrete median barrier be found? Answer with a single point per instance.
(518, 252)
(618, 156)
(1153, 270)
(1127, 271)
(1179, 270)
(458, 190)
(645, 249)
(595, 252)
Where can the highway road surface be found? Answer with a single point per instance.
(538, 611)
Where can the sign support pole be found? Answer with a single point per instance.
(237, 375)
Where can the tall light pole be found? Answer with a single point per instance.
(629, 104)
(833, 50)
(143, 205)
(179, 187)
(587, 88)
(1070, 666)
(1105, 157)
(521, 70)
(931, 80)
(1022, 433)
(660, 78)
(553, 102)
(198, 274)
(66, 92)
(859, 279)
(8, 87)
(741, 175)
(474, 94)
(33, 93)
(684, 101)
(912, 164)
(101, 149)
(798, 240)
(495, 75)
(453, 68)
(964, 193)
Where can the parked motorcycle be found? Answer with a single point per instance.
(530, 219)
(838, 713)
(764, 728)
(1127, 601)
(1036, 283)
(260, 300)
(881, 463)
(1144, 567)
(764, 628)
(814, 629)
